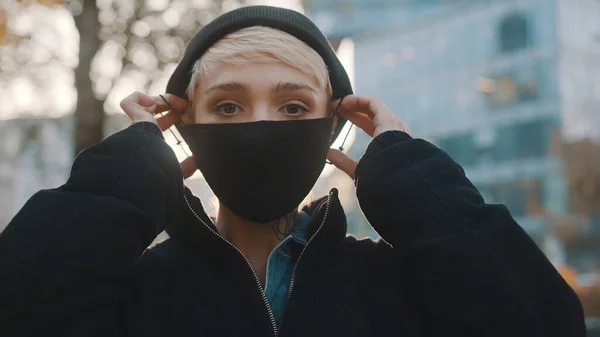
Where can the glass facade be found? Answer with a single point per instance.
(479, 80)
(509, 89)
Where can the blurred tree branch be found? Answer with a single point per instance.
(89, 112)
(124, 45)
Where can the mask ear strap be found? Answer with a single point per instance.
(171, 109)
(336, 113)
(341, 148)
(179, 142)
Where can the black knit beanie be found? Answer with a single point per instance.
(289, 21)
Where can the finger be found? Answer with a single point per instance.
(381, 115)
(188, 167)
(136, 112)
(176, 103)
(167, 120)
(145, 100)
(371, 106)
(340, 160)
(361, 120)
(151, 109)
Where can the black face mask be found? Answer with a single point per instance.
(260, 170)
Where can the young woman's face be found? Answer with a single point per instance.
(253, 92)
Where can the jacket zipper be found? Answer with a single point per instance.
(293, 279)
(260, 289)
(257, 281)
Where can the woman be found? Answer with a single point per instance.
(259, 96)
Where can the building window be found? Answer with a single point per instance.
(506, 91)
(534, 138)
(516, 86)
(523, 198)
(524, 141)
(514, 33)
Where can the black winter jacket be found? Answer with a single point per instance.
(73, 261)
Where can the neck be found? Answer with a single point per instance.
(255, 240)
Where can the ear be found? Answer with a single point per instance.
(336, 119)
(332, 134)
(189, 114)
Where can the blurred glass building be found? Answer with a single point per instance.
(504, 86)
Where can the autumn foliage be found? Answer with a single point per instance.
(4, 32)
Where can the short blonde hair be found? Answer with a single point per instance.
(260, 44)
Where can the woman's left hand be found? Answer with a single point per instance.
(371, 116)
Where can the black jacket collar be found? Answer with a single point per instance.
(195, 229)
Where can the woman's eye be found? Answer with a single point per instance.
(295, 109)
(227, 108)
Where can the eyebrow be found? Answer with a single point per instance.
(229, 86)
(280, 87)
(289, 86)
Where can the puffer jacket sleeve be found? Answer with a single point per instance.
(66, 259)
(473, 269)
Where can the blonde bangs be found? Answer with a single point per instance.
(260, 45)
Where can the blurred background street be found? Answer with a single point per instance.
(510, 88)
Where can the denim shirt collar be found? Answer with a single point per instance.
(300, 231)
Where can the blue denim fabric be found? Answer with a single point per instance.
(280, 268)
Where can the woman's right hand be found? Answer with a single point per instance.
(144, 108)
